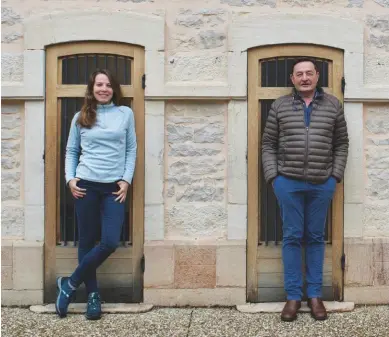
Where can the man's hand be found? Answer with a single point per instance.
(122, 193)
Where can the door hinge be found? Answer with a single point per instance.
(143, 263)
(144, 81)
(44, 156)
(343, 84)
(343, 261)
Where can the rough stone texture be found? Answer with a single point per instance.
(11, 67)
(309, 3)
(183, 150)
(10, 191)
(379, 23)
(195, 267)
(194, 276)
(212, 133)
(12, 211)
(376, 208)
(377, 120)
(195, 185)
(195, 255)
(9, 17)
(380, 42)
(376, 219)
(189, 221)
(355, 3)
(239, 3)
(383, 3)
(10, 148)
(12, 221)
(377, 157)
(10, 37)
(198, 67)
(198, 18)
(211, 39)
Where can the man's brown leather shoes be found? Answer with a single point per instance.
(289, 313)
(318, 311)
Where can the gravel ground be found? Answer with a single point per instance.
(166, 322)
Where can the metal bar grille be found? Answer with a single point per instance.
(276, 72)
(76, 70)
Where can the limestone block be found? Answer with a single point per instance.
(6, 277)
(159, 271)
(237, 222)
(196, 221)
(377, 121)
(10, 148)
(9, 17)
(383, 3)
(6, 253)
(12, 221)
(240, 3)
(28, 265)
(154, 222)
(12, 67)
(195, 297)
(21, 297)
(231, 266)
(207, 66)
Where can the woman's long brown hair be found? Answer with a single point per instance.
(87, 117)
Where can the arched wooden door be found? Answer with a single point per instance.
(68, 67)
(269, 68)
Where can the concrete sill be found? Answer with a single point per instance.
(111, 308)
(254, 308)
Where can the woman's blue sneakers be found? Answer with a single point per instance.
(93, 310)
(65, 295)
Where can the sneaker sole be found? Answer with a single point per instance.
(92, 318)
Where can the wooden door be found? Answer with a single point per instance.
(268, 78)
(68, 67)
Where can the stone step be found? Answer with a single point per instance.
(111, 308)
(331, 306)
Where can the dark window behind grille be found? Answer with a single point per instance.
(76, 70)
(276, 72)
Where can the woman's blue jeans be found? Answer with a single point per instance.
(304, 208)
(98, 205)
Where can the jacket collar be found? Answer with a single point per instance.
(319, 93)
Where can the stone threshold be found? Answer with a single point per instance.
(110, 308)
(331, 306)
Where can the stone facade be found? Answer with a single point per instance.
(196, 137)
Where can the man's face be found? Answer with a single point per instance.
(305, 77)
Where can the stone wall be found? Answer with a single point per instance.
(195, 196)
(12, 210)
(376, 217)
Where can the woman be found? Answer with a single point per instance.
(104, 134)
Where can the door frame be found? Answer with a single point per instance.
(54, 90)
(254, 169)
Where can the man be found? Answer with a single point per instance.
(304, 154)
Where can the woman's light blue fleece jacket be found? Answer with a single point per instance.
(106, 152)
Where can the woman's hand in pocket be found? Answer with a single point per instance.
(77, 192)
(122, 193)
